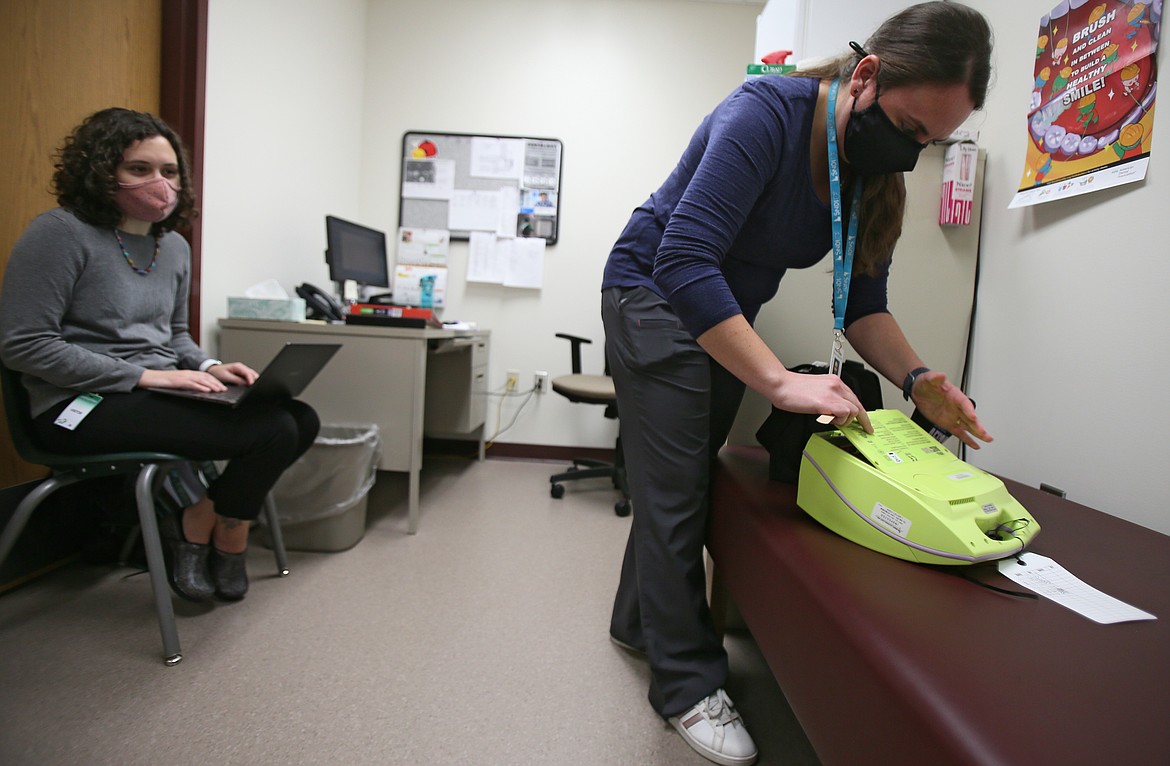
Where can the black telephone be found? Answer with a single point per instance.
(321, 304)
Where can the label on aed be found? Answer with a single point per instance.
(891, 520)
(990, 509)
(960, 476)
(893, 456)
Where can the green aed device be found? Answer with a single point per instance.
(902, 493)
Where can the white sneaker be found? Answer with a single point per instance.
(714, 729)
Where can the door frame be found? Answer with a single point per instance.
(182, 104)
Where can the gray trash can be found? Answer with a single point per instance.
(321, 498)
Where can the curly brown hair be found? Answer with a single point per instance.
(85, 181)
(932, 42)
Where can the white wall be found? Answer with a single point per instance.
(1071, 345)
(830, 26)
(283, 142)
(623, 102)
(781, 26)
(319, 117)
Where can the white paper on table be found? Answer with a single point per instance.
(1044, 576)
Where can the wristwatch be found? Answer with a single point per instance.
(908, 383)
(208, 364)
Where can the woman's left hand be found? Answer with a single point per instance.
(234, 373)
(948, 407)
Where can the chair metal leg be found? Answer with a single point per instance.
(26, 507)
(144, 494)
(276, 535)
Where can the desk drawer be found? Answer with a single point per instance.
(456, 389)
(479, 353)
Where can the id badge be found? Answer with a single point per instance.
(837, 356)
(76, 411)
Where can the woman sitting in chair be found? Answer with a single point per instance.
(95, 303)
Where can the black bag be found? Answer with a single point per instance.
(784, 433)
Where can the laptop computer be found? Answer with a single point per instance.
(286, 376)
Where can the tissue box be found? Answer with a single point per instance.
(958, 184)
(283, 309)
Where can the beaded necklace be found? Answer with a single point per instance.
(126, 255)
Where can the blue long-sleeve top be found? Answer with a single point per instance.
(737, 212)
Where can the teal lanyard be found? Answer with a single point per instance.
(843, 248)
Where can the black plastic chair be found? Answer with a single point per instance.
(150, 468)
(590, 389)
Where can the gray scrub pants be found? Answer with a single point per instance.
(675, 407)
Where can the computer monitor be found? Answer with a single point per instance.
(356, 253)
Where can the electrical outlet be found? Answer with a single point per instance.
(512, 382)
(541, 384)
(1052, 490)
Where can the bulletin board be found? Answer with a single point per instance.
(464, 182)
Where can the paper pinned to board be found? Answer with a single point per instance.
(511, 262)
(1052, 581)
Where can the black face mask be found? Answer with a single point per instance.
(874, 146)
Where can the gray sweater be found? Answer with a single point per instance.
(75, 318)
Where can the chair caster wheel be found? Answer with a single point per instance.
(622, 508)
(557, 491)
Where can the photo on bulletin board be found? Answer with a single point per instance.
(508, 186)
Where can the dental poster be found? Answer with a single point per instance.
(1091, 118)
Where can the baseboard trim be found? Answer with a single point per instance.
(511, 451)
(548, 452)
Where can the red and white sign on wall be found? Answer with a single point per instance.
(958, 184)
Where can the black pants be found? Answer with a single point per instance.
(259, 440)
(676, 406)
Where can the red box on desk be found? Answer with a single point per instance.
(391, 316)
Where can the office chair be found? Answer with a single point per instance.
(590, 389)
(150, 467)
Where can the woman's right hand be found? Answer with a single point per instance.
(735, 345)
(191, 380)
(821, 394)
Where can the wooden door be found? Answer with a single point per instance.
(61, 60)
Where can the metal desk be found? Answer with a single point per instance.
(380, 375)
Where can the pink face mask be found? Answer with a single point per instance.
(149, 201)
